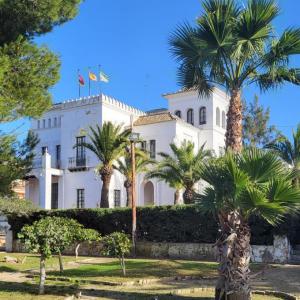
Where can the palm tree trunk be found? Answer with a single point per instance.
(177, 197)
(77, 251)
(106, 174)
(42, 274)
(188, 195)
(234, 133)
(128, 187)
(234, 257)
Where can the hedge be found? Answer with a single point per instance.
(157, 224)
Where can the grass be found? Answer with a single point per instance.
(91, 270)
(32, 262)
(140, 268)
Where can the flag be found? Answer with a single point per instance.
(92, 76)
(80, 80)
(103, 77)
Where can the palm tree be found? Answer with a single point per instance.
(234, 46)
(124, 166)
(288, 151)
(240, 185)
(108, 143)
(181, 169)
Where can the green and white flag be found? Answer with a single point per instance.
(103, 77)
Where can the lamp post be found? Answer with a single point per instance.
(133, 138)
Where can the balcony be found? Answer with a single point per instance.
(78, 164)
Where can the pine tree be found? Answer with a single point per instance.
(27, 71)
(256, 129)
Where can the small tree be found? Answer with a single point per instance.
(81, 235)
(46, 237)
(117, 244)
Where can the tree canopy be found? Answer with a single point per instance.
(15, 160)
(27, 71)
(256, 129)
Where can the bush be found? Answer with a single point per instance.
(158, 224)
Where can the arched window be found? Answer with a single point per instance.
(178, 113)
(218, 116)
(55, 122)
(190, 116)
(44, 123)
(49, 123)
(223, 119)
(38, 124)
(202, 115)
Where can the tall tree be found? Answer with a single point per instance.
(15, 160)
(124, 166)
(288, 151)
(27, 71)
(234, 46)
(181, 169)
(240, 185)
(108, 143)
(256, 129)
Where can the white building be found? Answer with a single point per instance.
(64, 176)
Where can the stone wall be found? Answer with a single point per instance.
(277, 253)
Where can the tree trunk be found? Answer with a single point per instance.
(234, 132)
(128, 187)
(106, 174)
(234, 257)
(188, 195)
(42, 274)
(122, 262)
(177, 197)
(76, 251)
(61, 266)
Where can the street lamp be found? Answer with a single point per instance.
(133, 138)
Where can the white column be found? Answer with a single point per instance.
(45, 182)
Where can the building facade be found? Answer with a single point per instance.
(64, 176)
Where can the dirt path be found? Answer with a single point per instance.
(285, 278)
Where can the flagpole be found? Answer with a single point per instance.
(78, 72)
(89, 83)
(99, 70)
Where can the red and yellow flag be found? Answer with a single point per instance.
(80, 80)
(92, 76)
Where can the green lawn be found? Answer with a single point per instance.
(91, 274)
(31, 262)
(140, 268)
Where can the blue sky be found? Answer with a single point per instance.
(130, 41)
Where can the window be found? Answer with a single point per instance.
(80, 198)
(38, 124)
(58, 154)
(44, 123)
(54, 196)
(44, 150)
(223, 120)
(190, 116)
(55, 122)
(117, 198)
(218, 116)
(152, 148)
(178, 113)
(144, 146)
(80, 151)
(49, 123)
(202, 115)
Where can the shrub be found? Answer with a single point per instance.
(182, 223)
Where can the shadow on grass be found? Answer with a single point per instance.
(31, 288)
(126, 295)
(140, 269)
